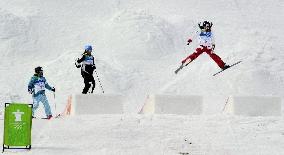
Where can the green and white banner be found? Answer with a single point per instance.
(17, 125)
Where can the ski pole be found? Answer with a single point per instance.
(54, 103)
(99, 81)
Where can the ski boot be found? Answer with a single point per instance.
(226, 67)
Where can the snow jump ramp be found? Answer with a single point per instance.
(97, 104)
(169, 104)
(254, 106)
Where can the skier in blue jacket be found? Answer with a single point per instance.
(36, 87)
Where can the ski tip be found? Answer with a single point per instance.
(45, 118)
(228, 67)
(238, 62)
(57, 116)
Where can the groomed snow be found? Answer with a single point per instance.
(137, 47)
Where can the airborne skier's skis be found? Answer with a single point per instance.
(228, 67)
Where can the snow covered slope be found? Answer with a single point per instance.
(137, 47)
(156, 135)
(139, 44)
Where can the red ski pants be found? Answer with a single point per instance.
(199, 51)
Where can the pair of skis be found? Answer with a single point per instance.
(57, 116)
(185, 64)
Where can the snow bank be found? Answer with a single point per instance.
(97, 104)
(170, 104)
(138, 36)
(254, 106)
(13, 32)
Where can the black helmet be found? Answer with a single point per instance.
(38, 70)
(204, 24)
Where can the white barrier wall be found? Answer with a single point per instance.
(254, 106)
(167, 104)
(178, 104)
(97, 104)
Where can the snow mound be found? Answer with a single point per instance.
(13, 32)
(140, 36)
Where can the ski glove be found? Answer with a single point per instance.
(189, 41)
(77, 64)
(30, 91)
(53, 89)
(213, 47)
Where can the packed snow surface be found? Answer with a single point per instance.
(137, 47)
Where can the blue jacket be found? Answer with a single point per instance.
(37, 85)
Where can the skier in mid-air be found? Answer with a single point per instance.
(36, 87)
(87, 64)
(206, 44)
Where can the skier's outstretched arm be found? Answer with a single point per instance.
(81, 59)
(193, 36)
(31, 86)
(47, 86)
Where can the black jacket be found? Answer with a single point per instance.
(87, 64)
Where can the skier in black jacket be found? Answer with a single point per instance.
(86, 62)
